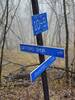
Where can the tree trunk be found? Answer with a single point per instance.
(67, 43)
(4, 38)
(73, 6)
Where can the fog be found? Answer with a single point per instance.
(22, 24)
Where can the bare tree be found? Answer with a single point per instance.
(67, 42)
(4, 37)
(7, 27)
(73, 7)
(52, 5)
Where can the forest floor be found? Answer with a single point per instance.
(26, 90)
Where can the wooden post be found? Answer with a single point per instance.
(39, 39)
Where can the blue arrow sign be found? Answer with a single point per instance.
(41, 68)
(56, 52)
(39, 23)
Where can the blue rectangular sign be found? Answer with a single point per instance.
(41, 68)
(39, 23)
(56, 52)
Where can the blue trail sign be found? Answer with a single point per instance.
(41, 68)
(39, 23)
(43, 50)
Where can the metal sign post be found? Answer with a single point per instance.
(39, 39)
